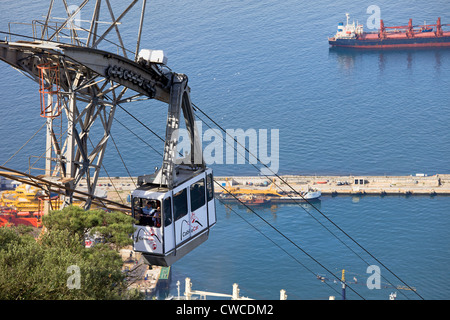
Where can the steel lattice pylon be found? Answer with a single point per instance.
(91, 82)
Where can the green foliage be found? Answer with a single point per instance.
(44, 269)
(113, 227)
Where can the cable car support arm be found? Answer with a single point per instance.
(100, 80)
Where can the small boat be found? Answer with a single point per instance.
(253, 200)
(265, 196)
(225, 197)
(310, 195)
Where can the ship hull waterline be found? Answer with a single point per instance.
(392, 43)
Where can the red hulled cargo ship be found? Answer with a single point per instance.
(410, 36)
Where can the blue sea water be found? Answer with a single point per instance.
(267, 65)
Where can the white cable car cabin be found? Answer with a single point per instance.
(174, 207)
(176, 221)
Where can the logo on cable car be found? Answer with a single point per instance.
(147, 235)
(193, 228)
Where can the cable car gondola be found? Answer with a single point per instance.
(174, 208)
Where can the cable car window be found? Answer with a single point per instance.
(137, 208)
(210, 186)
(197, 194)
(149, 213)
(137, 204)
(167, 211)
(180, 204)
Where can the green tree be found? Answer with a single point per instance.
(114, 228)
(58, 266)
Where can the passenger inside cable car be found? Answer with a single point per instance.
(147, 212)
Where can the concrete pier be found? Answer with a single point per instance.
(334, 185)
(119, 188)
